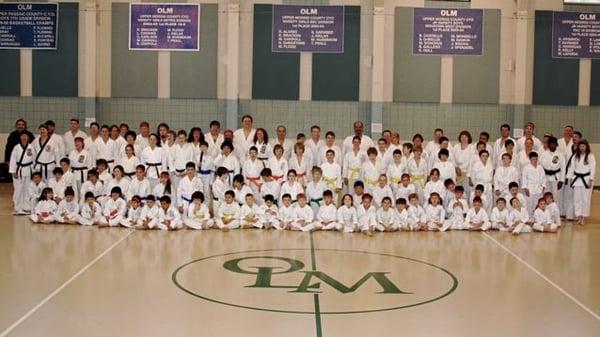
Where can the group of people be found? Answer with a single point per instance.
(245, 179)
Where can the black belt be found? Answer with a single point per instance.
(551, 172)
(45, 169)
(156, 165)
(80, 169)
(20, 167)
(179, 171)
(582, 177)
(129, 174)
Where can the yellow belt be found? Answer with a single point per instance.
(419, 178)
(395, 180)
(330, 182)
(370, 182)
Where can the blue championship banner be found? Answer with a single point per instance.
(28, 25)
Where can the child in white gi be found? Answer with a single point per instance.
(250, 213)
(68, 209)
(134, 212)
(386, 216)
(228, 214)
(327, 213)
(45, 209)
(287, 213)
(291, 186)
(500, 214)
(332, 172)
(168, 216)
(269, 185)
(477, 218)
(405, 187)
(304, 215)
(504, 175)
(552, 206)
(91, 212)
(115, 208)
(270, 212)
(542, 218)
(149, 216)
(251, 169)
(417, 218)
(401, 214)
(34, 190)
(435, 212)
(197, 215)
(518, 218)
(347, 218)
(92, 185)
(367, 215)
(533, 181)
(382, 190)
(240, 189)
(219, 187)
(434, 184)
(315, 189)
(206, 169)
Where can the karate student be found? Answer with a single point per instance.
(504, 175)
(533, 180)
(139, 185)
(214, 138)
(304, 215)
(250, 213)
(523, 156)
(91, 211)
(206, 169)
(386, 217)
(73, 133)
(314, 144)
(251, 169)
(168, 216)
(291, 186)
(482, 173)
(240, 189)
(269, 185)
(395, 170)
(330, 145)
(359, 190)
(518, 218)
(477, 218)
(102, 169)
(219, 187)
(264, 150)
(57, 184)
(269, 212)
(287, 213)
(513, 192)
(228, 160)
(180, 155)
(164, 186)
(155, 158)
(106, 148)
(347, 218)
(327, 213)
(197, 215)
(68, 209)
(134, 212)
(417, 168)
(367, 215)
(228, 213)
(81, 161)
(118, 179)
(34, 190)
(509, 148)
(92, 185)
(433, 185)
(143, 138)
(129, 161)
(553, 163)
(401, 214)
(115, 208)
(149, 216)
(332, 172)
(552, 206)
(542, 218)
(21, 168)
(278, 164)
(417, 218)
(382, 190)
(405, 187)
(456, 211)
(47, 152)
(584, 172)
(479, 192)
(499, 217)
(315, 189)
(188, 185)
(45, 208)
(353, 161)
(462, 154)
(300, 162)
(434, 211)
(371, 170)
(445, 167)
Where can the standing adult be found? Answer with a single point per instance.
(57, 139)
(214, 139)
(244, 137)
(568, 191)
(14, 137)
(74, 132)
(281, 139)
(365, 141)
(529, 133)
(315, 143)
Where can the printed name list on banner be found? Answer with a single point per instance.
(575, 35)
(317, 29)
(28, 25)
(448, 31)
(164, 27)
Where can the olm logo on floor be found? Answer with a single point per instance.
(290, 280)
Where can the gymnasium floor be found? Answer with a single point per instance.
(76, 281)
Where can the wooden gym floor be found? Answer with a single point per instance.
(82, 281)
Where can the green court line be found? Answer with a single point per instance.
(313, 261)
